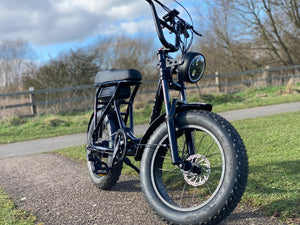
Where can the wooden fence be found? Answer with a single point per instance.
(216, 83)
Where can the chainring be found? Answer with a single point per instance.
(120, 146)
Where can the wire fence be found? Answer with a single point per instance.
(33, 102)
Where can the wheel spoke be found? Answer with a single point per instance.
(209, 148)
(174, 170)
(182, 192)
(214, 153)
(215, 185)
(193, 197)
(189, 189)
(200, 141)
(208, 188)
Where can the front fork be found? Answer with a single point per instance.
(170, 113)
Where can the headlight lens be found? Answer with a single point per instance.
(197, 68)
(192, 68)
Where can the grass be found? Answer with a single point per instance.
(10, 215)
(77, 153)
(18, 129)
(273, 145)
(251, 97)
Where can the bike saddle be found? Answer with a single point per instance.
(118, 75)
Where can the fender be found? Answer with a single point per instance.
(161, 119)
(91, 118)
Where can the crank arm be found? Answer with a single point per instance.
(100, 149)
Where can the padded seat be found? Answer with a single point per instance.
(118, 75)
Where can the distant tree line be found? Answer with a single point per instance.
(74, 67)
(238, 35)
(80, 66)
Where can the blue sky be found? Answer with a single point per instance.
(53, 26)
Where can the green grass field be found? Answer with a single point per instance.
(273, 145)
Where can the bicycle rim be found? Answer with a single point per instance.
(186, 190)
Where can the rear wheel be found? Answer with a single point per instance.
(97, 161)
(214, 177)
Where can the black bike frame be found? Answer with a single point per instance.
(115, 104)
(165, 83)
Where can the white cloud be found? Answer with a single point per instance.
(53, 26)
(128, 11)
(133, 27)
(56, 21)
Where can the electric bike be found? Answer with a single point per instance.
(194, 164)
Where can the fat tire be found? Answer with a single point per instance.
(233, 184)
(108, 181)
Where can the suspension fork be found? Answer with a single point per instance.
(188, 134)
(169, 107)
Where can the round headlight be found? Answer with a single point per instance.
(193, 67)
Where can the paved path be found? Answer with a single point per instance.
(59, 191)
(49, 144)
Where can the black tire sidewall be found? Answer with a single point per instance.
(210, 122)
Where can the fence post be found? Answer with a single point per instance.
(218, 90)
(32, 101)
(267, 76)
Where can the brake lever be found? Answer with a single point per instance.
(200, 35)
(193, 29)
(188, 26)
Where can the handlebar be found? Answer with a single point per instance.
(178, 28)
(159, 31)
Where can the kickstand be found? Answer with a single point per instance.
(128, 163)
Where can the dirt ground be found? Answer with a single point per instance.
(58, 190)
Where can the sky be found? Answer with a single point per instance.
(53, 26)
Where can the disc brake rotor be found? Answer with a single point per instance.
(197, 179)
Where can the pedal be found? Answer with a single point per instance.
(102, 174)
(101, 169)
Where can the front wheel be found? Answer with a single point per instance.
(206, 191)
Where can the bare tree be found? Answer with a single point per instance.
(272, 25)
(134, 53)
(69, 69)
(248, 34)
(225, 44)
(80, 67)
(14, 58)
